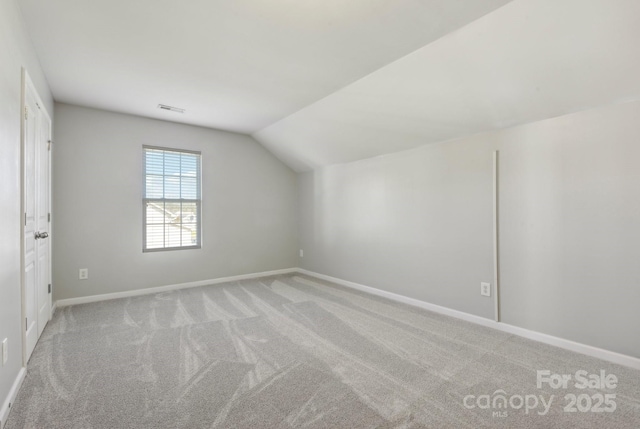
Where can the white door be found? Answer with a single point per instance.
(43, 210)
(36, 136)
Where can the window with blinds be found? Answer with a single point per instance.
(171, 203)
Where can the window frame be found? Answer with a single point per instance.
(145, 200)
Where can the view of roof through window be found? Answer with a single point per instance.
(171, 199)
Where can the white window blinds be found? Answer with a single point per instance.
(171, 203)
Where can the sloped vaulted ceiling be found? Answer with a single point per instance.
(527, 61)
(237, 65)
(323, 82)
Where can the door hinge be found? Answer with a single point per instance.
(25, 218)
(49, 145)
(49, 287)
(26, 323)
(26, 112)
(49, 217)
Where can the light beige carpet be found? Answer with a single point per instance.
(295, 352)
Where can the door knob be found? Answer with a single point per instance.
(40, 235)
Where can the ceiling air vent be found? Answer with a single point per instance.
(170, 108)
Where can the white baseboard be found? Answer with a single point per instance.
(596, 352)
(404, 299)
(630, 361)
(610, 356)
(152, 290)
(11, 397)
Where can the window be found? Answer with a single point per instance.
(171, 202)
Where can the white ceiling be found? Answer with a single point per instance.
(527, 61)
(238, 65)
(333, 81)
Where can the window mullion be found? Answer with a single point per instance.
(167, 215)
(164, 201)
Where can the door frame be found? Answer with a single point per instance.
(28, 86)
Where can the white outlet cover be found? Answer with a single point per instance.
(485, 289)
(301, 253)
(83, 273)
(5, 351)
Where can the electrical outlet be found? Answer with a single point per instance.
(301, 253)
(485, 289)
(5, 351)
(83, 273)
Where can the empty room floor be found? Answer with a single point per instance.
(292, 351)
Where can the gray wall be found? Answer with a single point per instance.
(15, 52)
(419, 223)
(249, 205)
